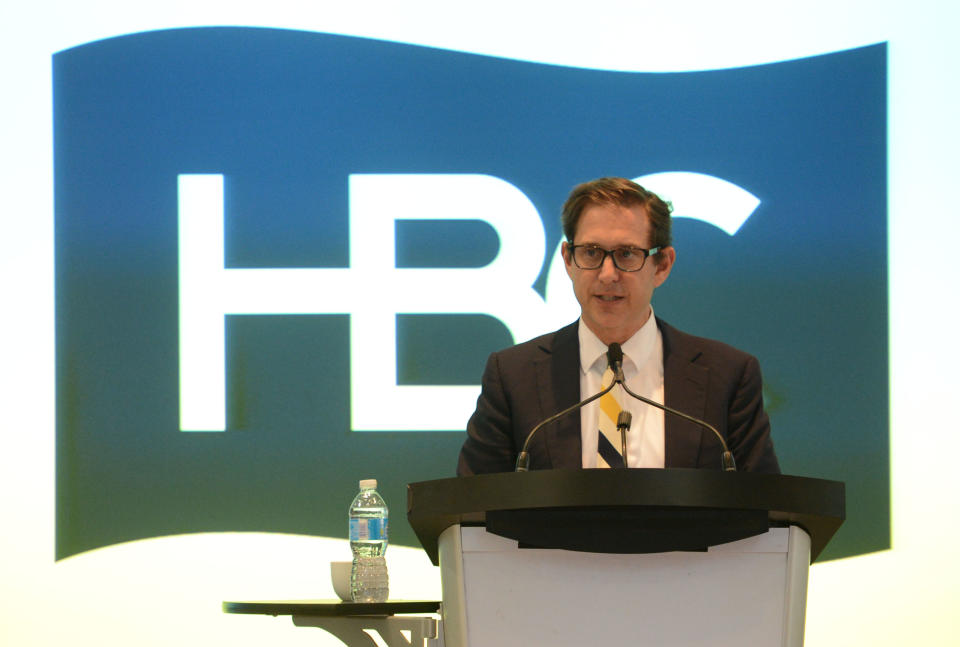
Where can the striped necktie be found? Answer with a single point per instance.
(609, 441)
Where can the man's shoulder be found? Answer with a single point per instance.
(544, 345)
(693, 348)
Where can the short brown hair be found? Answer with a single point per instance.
(622, 192)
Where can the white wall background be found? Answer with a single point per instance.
(168, 590)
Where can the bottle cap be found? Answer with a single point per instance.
(368, 484)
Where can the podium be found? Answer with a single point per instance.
(680, 557)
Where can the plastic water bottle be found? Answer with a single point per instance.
(368, 541)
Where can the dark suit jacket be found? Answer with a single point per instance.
(706, 379)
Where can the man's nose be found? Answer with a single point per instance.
(608, 271)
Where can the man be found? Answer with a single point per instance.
(617, 252)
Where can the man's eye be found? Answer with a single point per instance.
(591, 252)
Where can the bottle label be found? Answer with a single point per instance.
(368, 529)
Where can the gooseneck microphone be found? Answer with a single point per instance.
(615, 362)
(615, 358)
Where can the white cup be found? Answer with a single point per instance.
(340, 576)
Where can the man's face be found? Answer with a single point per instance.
(615, 304)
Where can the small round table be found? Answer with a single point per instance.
(348, 621)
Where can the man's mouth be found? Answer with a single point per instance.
(608, 297)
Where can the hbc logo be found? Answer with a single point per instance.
(502, 289)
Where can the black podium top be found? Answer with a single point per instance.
(626, 510)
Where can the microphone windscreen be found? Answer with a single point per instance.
(614, 354)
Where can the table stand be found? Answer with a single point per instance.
(352, 630)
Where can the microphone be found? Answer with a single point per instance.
(615, 361)
(523, 458)
(615, 353)
(623, 424)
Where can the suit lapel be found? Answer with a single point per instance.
(685, 389)
(558, 381)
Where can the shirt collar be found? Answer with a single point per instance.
(593, 352)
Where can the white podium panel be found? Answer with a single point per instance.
(748, 592)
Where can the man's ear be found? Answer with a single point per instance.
(567, 258)
(665, 260)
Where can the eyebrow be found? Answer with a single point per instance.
(611, 248)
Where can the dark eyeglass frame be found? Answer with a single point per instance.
(647, 253)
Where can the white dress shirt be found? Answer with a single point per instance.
(643, 372)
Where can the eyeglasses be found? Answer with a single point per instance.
(625, 259)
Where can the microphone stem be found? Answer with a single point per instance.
(523, 458)
(729, 465)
